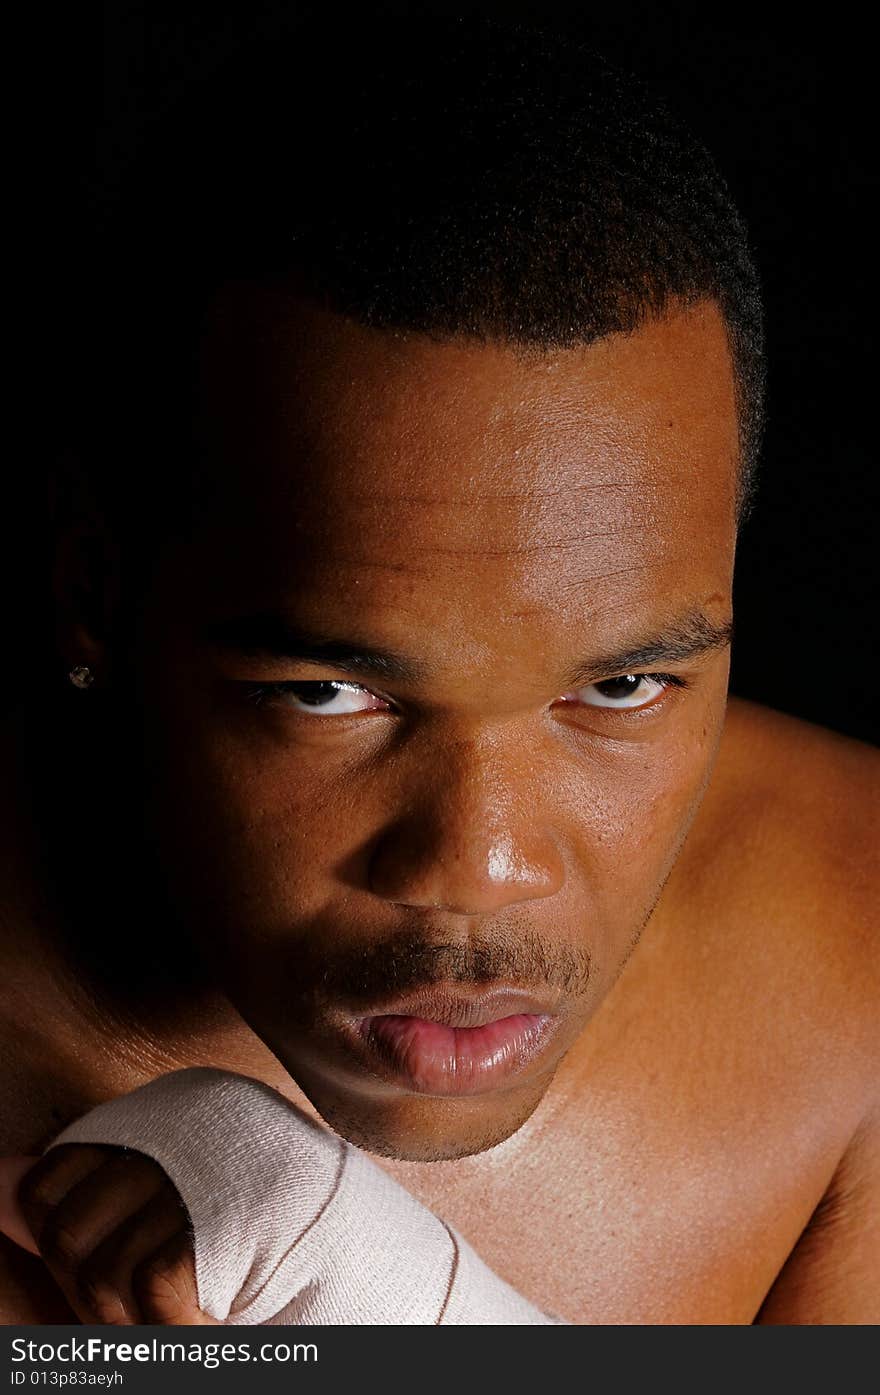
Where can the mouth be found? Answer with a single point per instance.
(445, 1041)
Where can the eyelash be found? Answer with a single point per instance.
(266, 691)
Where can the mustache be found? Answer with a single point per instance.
(411, 960)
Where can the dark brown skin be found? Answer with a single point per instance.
(111, 1229)
(499, 518)
(526, 524)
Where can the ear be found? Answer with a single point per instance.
(86, 567)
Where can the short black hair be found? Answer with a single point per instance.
(458, 176)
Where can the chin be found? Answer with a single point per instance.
(426, 1128)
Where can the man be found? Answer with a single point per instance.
(428, 408)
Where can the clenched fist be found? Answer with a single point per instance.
(112, 1230)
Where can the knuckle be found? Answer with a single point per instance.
(46, 1183)
(61, 1246)
(100, 1295)
(39, 1187)
(160, 1281)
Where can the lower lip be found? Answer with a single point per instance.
(433, 1059)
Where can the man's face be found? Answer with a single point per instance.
(405, 792)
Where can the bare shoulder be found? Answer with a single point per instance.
(785, 850)
(805, 794)
(754, 734)
(794, 810)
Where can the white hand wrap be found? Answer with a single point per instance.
(292, 1224)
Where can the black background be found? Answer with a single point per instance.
(784, 108)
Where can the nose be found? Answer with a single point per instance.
(474, 839)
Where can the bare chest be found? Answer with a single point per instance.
(665, 1178)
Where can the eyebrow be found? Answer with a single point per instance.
(266, 636)
(271, 637)
(689, 637)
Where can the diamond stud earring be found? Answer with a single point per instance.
(81, 676)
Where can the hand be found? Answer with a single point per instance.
(112, 1230)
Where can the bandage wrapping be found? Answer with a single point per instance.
(291, 1224)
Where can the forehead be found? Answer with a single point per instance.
(344, 465)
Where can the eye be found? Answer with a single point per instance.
(330, 697)
(629, 690)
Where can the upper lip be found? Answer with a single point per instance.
(455, 1006)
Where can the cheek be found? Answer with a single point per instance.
(632, 805)
(258, 829)
(626, 817)
(251, 833)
